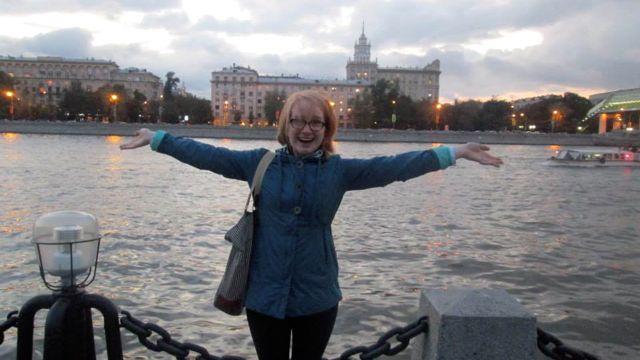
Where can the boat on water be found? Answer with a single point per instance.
(629, 156)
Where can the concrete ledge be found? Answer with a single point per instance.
(482, 324)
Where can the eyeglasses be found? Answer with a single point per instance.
(299, 124)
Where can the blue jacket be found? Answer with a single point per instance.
(294, 269)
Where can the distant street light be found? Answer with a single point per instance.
(10, 94)
(393, 115)
(438, 107)
(555, 117)
(114, 100)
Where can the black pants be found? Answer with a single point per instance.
(272, 336)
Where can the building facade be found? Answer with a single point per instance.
(616, 110)
(239, 92)
(43, 79)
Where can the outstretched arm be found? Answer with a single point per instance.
(143, 137)
(478, 153)
(228, 163)
(380, 171)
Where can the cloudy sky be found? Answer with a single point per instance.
(487, 48)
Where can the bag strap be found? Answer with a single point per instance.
(257, 177)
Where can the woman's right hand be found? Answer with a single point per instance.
(143, 137)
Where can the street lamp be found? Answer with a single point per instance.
(10, 94)
(438, 107)
(555, 117)
(114, 100)
(393, 115)
(67, 245)
(225, 112)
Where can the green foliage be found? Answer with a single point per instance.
(134, 107)
(273, 103)
(570, 111)
(198, 109)
(494, 115)
(383, 95)
(464, 115)
(362, 110)
(6, 84)
(170, 86)
(76, 101)
(170, 111)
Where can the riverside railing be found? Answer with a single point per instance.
(453, 324)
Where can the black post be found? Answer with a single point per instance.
(68, 333)
(25, 323)
(111, 317)
(68, 328)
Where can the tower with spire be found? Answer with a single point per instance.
(361, 67)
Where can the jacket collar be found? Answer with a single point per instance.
(316, 156)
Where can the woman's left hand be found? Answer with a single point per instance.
(478, 153)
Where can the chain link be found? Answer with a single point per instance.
(12, 321)
(383, 347)
(558, 350)
(144, 332)
(548, 344)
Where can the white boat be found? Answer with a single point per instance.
(582, 158)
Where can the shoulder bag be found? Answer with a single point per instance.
(231, 292)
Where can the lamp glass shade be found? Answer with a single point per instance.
(66, 242)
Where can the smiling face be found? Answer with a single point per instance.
(305, 141)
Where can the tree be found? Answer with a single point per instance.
(169, 111)
(576, 110)
(273, 103)
(494, 115)
(6, 84)
(362, 110)
(170, 86)
(106, 107)
(76, 101)
(198, 109)
(464, 115)
(406, 113)
(134, 107)
(384, 93)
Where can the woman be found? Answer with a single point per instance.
(293, 283)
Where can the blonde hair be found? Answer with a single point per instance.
(318, 98)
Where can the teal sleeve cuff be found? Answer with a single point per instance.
(446, 156)
(157, 139)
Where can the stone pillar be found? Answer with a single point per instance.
(602, 123)
(475, 324)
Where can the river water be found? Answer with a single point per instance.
(564, 241)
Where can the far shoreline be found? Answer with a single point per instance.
(355, 135)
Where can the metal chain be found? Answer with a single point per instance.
(383, 347)
(558, 350)
(12, 321)
(548, 344)
(165, 343)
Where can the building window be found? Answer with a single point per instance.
(259, 101)
(217, 107)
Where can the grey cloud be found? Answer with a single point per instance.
(102, 6)
(174, 21)
(72, 42)
(588, 44)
